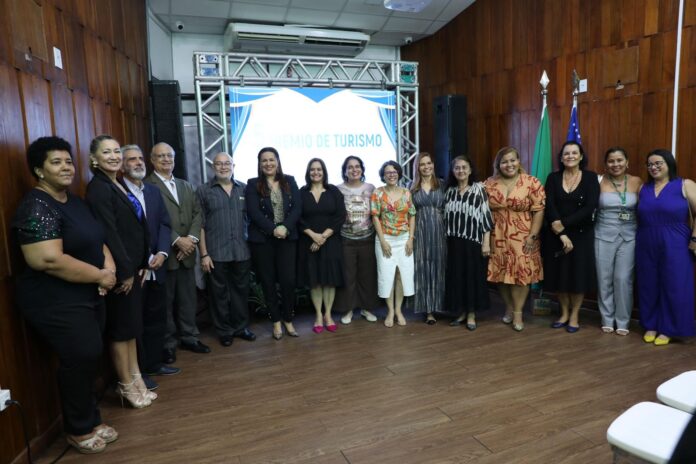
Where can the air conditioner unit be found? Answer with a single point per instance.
(293, 40)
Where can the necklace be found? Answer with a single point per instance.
(570, 184)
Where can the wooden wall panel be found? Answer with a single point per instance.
(498, 49)
(76, 103)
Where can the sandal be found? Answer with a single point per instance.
(518, 327)
(507, 318)
(106, 433)
(92, 445)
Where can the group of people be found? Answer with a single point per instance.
(121, 262)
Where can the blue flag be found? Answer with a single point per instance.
(574, 126)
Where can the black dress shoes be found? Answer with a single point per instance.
(246, 334)
(169, 356)
(198, 347)
(226, 340)
(164, 370)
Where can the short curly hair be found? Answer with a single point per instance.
(393, 164)
(39, 148)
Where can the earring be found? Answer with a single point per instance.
(94, 163)
(41, 176)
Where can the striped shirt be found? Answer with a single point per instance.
(467, 215)
(224, 221)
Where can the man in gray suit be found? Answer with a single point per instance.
(185, 213)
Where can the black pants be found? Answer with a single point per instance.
(74, 332)
(151, 343)
(228, 287)
(274, 261)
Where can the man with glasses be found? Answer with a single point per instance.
(224, 252)
(185, 213)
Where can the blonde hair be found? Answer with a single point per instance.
(499, 157)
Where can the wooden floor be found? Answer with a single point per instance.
(414, 394)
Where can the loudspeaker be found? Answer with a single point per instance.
(450, 138)
(168, 122)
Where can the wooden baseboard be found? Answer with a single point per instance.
(41, 443)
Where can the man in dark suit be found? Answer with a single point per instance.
(185, 214)
(151, 344)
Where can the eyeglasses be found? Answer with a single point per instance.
(656, 164)
(164, 155)
(219, 164)
(390, 173)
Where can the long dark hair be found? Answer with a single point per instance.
(262, 184)
(669, 161)
(417, 180)
(451, 180)
(583, 161)
(325, 177)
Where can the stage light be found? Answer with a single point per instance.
(411, 6)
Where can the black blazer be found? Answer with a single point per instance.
(126, 236)
(260, 211)
(159, 226)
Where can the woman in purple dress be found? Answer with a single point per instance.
(664, 243)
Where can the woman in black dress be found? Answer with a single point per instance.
(572, 195)
(320, 253)
(274, 207)
(123, 220)
(468, 224)
(68, 268)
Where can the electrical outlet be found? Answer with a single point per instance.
(4, 397)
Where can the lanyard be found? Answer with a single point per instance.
(622, 195)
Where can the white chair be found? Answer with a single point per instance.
(679, 392)
(647, 431)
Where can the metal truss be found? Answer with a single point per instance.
(213, 72)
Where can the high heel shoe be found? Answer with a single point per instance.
(507, 318)
(291, 330)
(518, 327)
(140, 385)
(130, 393)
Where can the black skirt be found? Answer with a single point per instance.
(466, 288)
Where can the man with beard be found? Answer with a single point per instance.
(151, 344)
(224, 252)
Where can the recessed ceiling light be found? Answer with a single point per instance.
(411, 6)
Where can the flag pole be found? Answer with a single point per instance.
(575, 83)
(544, 91)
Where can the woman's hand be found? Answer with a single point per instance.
(207, 265)
(692, 247)
(409, 246)
(530, 245)
(486, 249)
(567, 244)
(386, 248)
(280, 231)
(125, 286)
(318, 239)
(107, 279)
(314, 248)
(557, 227)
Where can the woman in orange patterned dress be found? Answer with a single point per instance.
(517, 201)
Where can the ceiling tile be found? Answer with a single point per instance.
(159, 6)
(204, 8)
(366, 7)
(411, 26)
(254, 3)
(360, 21)
(331, 5)
(314, 17)
(258, 13)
